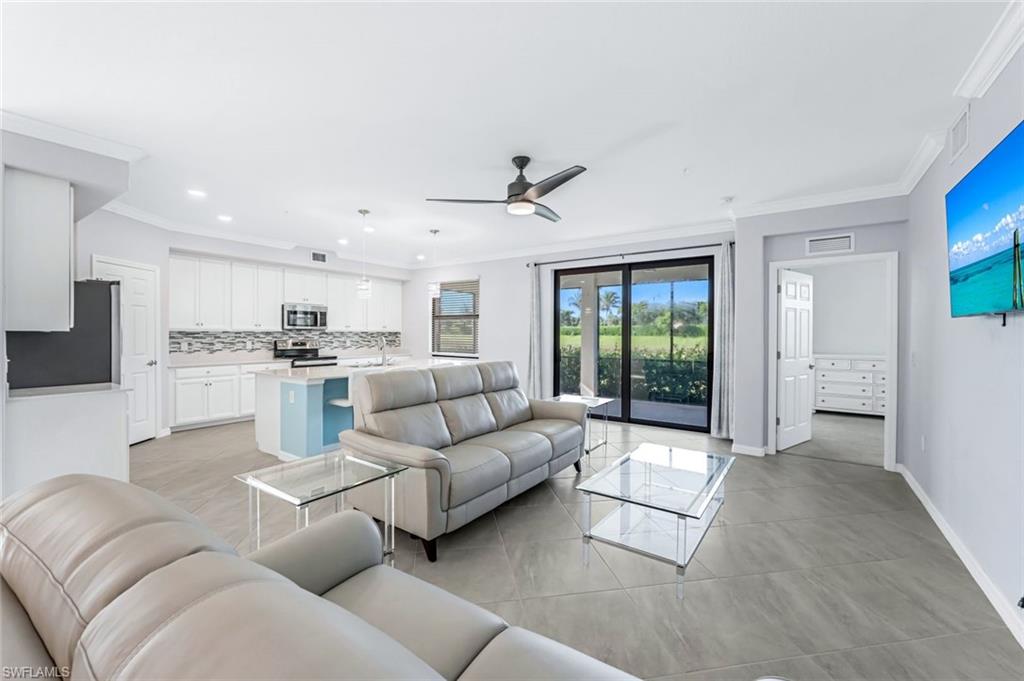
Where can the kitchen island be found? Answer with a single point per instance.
(300, 411)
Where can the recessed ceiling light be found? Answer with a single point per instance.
(225, 218)
(343, 242)
(197, 193)
(368, 229)
(420, 256)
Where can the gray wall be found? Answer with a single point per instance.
(850, 308)
(115, 236)
(878, 226)
(962, 406)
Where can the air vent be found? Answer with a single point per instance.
(318, 257)
(959, 135)
(830, 245)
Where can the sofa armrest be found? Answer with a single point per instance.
(400, 453)
(568, 411)
(325, 554)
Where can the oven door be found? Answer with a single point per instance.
(295, 317)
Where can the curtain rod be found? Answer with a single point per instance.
(623, 255)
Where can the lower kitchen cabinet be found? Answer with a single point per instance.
(216, 393)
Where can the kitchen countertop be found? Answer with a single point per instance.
(319, 374)
(179, 360)
(59, 390)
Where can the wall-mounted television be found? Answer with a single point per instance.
(985, 228)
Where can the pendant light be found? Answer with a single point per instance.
(364, 288)
(434, 287)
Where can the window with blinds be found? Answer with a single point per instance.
(455, 319)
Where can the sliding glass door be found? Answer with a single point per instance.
(640, 334)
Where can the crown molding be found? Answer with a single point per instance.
(124, 210)
(48, 132)
(682, 231)
(927, 151)
(996, 52)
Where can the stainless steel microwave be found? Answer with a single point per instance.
(295, 316)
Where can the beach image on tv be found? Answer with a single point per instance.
(985, 223)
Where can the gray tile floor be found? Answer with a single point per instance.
(852, 438)
(816, 570)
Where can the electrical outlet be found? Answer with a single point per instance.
(183, 346)
(248, 345)
(291, 397)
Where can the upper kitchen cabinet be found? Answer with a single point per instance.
(345, 310)
(305, 286)
(200, 293)
(384, 308)
(38, 252)
(256, 295)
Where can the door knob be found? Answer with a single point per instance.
(151, 363)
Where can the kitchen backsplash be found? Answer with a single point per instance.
(238, 341)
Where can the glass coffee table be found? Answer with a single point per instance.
(306, 481)
(668, 496)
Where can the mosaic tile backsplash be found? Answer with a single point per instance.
(237, 341)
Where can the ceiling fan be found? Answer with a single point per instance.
(523, 194)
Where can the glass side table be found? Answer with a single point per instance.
(593, 403)
(669, 498)
(305, 481)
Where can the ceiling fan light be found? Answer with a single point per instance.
(521, 208)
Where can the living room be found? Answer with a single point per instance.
(286, 386)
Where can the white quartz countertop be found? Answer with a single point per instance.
(318, 374)
(60, 390)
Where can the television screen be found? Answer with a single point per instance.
(984, 224)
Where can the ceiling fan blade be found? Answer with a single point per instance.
(551, 183)
(466, 200)
(545, 212)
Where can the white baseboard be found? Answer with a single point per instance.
(163, 432)
(746, 449)
(1006, 608)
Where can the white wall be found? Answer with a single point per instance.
(505, 297)
(116, 236)
(850, 308)
(962, 412)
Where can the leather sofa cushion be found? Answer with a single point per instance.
(520, 654)
(457, 381)
(387, 390)
(20, 645)
(498, 375)
(216, 616)
(73, 544)
(443, 630)
(563, 435)
(421, 425)
(467, 417)
(475, 470)
(524, 450)
(509, 407)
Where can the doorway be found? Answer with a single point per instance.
(139, 342)
(641, 334)
(833, 336)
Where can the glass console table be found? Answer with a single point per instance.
(306, 481)
(592, 403)
(668, 496)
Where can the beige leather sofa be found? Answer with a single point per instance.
(470, 437)
(103, 580)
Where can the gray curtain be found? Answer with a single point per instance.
(723, 381)
(533, 371)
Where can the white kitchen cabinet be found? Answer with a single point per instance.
(222, 397)
(200, 293)
(205, 394)
(39, 252)
(256, 296)
(345, 310)
(384, 308)
(190, 400)
(305, 286)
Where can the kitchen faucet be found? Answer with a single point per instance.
(382, 345)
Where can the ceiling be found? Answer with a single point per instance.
(292, 117)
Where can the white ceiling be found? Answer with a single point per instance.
(292, 117)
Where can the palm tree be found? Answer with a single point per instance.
(609, 301)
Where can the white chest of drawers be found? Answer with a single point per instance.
(851, 383)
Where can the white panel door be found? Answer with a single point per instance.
(795, 359)
(139, 343)
(214, 294)
(270, 297)
(190, 404)
(244, 297)
(222, 397)
(182, 283)
(247, 394)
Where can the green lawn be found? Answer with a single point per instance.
(652, 343)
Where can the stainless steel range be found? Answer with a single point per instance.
(303, 353)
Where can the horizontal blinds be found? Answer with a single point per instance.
(455, 322)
